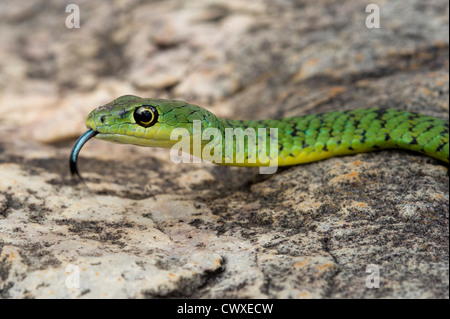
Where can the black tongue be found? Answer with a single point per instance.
(76, 149)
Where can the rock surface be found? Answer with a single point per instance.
(141, 226)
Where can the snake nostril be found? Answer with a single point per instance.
(102, 119)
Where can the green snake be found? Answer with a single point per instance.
(302, 139)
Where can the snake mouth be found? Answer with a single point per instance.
(134, 140)
(77, 148)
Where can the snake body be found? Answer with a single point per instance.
(302, 139)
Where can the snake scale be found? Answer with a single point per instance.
(302, 139)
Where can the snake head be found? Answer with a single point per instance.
(145, 121)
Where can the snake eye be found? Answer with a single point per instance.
(146, 115)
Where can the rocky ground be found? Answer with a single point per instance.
(141, 226)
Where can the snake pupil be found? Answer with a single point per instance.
(146, 115)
